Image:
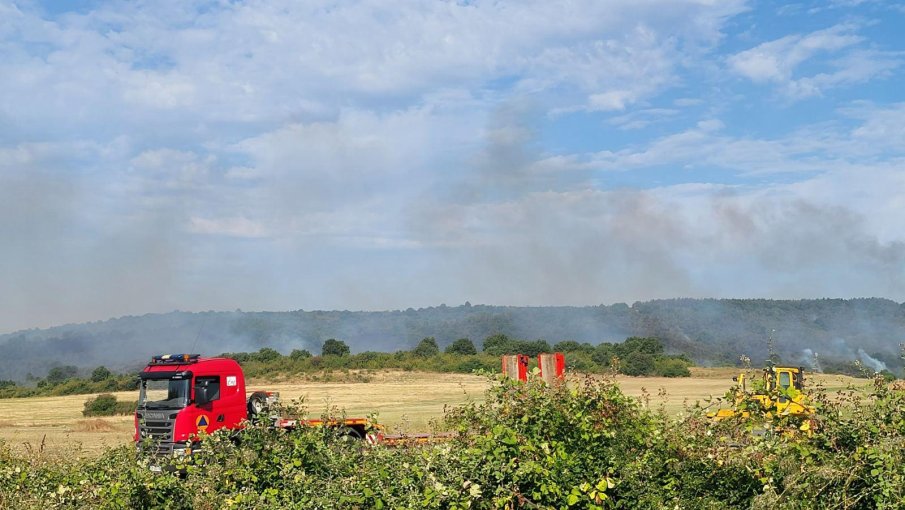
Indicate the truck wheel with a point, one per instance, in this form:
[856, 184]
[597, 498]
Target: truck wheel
[257, 406]
[351, 434]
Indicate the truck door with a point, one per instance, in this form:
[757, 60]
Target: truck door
[207, 399]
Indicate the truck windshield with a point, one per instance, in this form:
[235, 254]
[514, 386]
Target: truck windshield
[164, 394]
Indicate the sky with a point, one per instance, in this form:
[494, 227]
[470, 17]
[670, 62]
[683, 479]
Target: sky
[385, 154]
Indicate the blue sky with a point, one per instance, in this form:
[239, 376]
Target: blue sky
[386, 154]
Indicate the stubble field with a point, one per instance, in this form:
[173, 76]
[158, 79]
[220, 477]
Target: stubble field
[404, 401]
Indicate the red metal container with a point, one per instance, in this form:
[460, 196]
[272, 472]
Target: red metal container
[515, 366]
[552, 366]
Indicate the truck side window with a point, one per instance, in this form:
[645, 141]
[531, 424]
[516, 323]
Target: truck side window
[211, 385]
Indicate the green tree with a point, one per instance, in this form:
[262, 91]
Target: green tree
[266, 354]
[567, 346]
[603, 354]
[57, 375]
[461, 346]
[101, 374]
[532, 347]
[299, 354]
[334, 347]
[497, 345]
[637, 363]
[651, 346]
[426, 348]
[573, 346]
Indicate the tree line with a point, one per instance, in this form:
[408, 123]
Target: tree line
[636, 356]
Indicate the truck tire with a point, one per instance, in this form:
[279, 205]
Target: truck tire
[351, 434]
[257, 406]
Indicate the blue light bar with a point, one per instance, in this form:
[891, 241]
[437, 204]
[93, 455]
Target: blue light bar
[167, 359]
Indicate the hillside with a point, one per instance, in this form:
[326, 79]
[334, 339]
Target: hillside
[710, 331]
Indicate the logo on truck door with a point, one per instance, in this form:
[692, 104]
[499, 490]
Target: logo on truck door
[230, 380]
[202, 422]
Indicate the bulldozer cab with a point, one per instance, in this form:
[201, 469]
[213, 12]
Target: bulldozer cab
[783, 378]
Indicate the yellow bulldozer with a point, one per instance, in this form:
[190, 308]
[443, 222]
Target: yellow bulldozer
[778, 397]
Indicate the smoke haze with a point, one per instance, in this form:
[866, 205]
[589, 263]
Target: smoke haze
[709, 331]
[386, 155]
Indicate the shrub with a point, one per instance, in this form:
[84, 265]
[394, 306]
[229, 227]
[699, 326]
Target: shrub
[107, 405]
[334, 347]
[299, 354]
[100, 373]
[650, 346]
[497, 345]
[266, 354]
[603, 354]
[57, 375]
[671, 367]
[461, 346]
[525, 445]
[637, 363]
[426, 348]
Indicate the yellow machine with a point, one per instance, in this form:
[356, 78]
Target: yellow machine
[778, 394]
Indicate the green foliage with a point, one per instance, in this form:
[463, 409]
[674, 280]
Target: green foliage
[426, 348]
[266, 354]
[671, 367]
[298, 354]
[71, 386]
[334, 347]
[462, 346]
[58, 375]
[107, 405]
[650, 346]
[573, 346]
[604, 353]
[582, 445]
[497, 345]
[101, 373]
[460, 356]
[637, 363]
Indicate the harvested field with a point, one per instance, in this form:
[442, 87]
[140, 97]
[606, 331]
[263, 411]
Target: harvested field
[404, 401]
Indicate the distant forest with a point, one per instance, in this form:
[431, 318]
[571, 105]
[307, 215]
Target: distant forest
[818, 333]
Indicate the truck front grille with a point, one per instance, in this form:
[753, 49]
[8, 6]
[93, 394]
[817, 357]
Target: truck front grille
[156, 428]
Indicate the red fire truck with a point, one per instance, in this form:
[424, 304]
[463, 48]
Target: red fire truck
[184, 395]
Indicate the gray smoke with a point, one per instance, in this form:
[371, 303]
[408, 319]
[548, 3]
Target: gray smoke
[811, 359]
[875, 364]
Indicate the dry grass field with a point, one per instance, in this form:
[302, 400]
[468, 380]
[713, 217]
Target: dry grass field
[404, 401]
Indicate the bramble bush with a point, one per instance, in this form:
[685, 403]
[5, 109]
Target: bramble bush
[581, 445]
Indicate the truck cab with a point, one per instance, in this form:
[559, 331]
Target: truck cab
[184, 395]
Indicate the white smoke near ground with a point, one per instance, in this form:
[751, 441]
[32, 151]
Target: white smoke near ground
[874, 364]
[811, 359]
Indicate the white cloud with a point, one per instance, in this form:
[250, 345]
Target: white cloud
[612, 100]
[779, 61]
[815, 148]
[166, 63]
